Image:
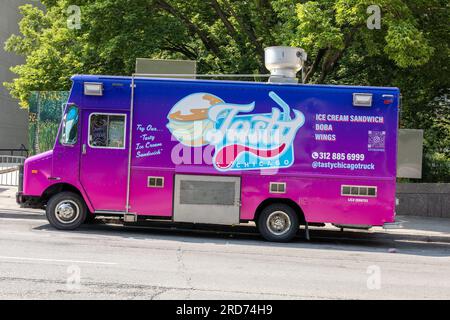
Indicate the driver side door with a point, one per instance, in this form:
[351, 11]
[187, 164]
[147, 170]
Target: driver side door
[104, 159]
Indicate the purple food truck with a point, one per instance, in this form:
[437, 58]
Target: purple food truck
[220, 152]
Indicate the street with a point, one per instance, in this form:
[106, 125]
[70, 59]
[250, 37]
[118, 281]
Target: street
[110, 261]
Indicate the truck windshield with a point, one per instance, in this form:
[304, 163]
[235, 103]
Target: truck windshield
[69, 130]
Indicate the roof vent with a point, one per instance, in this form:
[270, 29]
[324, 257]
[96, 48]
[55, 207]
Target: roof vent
[284, 63]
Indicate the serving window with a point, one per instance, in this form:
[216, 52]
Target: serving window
[107, 130]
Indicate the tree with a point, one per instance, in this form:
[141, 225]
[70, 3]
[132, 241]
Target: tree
[224, 36]
[410, 50]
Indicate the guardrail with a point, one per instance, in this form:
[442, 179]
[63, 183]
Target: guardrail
[9, 170]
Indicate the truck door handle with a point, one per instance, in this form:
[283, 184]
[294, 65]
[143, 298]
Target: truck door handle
[83, 149]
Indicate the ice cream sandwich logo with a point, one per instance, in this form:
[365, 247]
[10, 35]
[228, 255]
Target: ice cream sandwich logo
[242, 140]
[188, 119]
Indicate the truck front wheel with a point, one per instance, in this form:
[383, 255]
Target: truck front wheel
[278, 222]
[66, 211]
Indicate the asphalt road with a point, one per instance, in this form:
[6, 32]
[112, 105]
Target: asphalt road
[103, 261]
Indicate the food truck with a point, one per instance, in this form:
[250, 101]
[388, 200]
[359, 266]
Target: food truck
[219, 152]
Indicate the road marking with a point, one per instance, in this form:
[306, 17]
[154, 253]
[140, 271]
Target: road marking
[57, 260]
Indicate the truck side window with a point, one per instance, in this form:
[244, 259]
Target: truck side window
[69, 132]
[107, 131]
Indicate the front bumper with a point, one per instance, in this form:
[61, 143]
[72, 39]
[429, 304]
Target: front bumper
[25, 201]
[20, 198]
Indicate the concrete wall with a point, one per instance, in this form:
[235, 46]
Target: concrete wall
[424, 199]
[13, 121]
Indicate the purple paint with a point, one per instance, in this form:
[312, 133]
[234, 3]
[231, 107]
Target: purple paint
[310, 137]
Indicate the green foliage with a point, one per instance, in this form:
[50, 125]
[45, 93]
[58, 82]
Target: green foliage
[406, 46]
[47, 133]
[45, 112]
[32, 137]
[410, 51]
[317, 27]
[436, 139]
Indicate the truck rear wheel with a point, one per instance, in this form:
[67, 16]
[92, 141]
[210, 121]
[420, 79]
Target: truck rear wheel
[66, 211]
[278, 222]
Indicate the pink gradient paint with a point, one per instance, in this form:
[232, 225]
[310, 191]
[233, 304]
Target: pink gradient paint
[227, 155]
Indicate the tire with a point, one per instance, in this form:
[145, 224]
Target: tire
[90, 218]
[278, 222]
[66, 211]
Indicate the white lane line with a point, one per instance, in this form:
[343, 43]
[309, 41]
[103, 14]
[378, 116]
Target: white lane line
[57, 260]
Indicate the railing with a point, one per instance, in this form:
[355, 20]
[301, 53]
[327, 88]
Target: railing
[9, 170]
[23, 151]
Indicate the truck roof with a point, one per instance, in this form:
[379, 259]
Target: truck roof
[102, 78]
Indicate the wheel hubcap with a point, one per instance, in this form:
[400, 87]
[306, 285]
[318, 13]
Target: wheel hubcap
[278, 223]
[67, 211]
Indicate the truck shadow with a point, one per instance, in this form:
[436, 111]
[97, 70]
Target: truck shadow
[360, 241]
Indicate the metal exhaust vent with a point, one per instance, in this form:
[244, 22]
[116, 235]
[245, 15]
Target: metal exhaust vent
[284, 63]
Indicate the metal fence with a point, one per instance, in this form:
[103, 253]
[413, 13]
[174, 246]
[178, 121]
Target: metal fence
[22, 151]
[9, 170]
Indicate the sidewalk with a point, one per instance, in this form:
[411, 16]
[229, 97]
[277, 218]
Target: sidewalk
[422, 228]
[8, 200]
